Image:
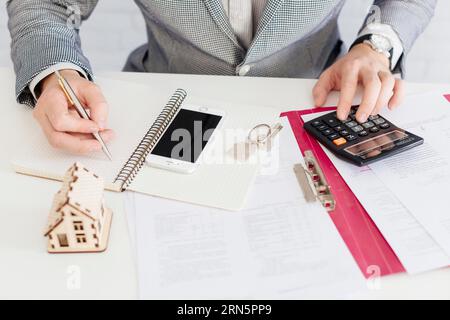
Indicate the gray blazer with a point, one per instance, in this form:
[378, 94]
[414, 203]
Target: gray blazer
[295, 38]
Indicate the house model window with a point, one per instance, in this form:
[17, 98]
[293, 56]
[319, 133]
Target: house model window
[78, 226]
[79, 220]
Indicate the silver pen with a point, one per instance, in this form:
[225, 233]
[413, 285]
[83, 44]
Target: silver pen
[73, 99]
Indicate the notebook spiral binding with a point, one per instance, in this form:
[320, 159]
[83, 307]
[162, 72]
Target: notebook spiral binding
[137, 159]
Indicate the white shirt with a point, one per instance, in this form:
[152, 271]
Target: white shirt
[244, 16]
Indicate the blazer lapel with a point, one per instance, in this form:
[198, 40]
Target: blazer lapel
[269, 13]
[218, 14]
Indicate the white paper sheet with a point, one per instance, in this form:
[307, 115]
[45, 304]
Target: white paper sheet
[411, 242]
[420, 178]
[414, 246]
[130, 212]
[279, 247]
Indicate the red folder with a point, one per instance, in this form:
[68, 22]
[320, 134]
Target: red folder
[371, 251]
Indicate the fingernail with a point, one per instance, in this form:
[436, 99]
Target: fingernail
[102, 124]
[342, 116]
[362, 117]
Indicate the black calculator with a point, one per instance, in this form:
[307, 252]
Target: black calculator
[361, 143]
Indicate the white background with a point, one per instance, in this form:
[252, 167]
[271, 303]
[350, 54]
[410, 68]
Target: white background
[116, 27]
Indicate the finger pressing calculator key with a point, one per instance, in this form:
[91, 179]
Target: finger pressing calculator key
[361, 143]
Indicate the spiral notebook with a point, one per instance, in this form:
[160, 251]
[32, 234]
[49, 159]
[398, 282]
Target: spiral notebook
[139, 116]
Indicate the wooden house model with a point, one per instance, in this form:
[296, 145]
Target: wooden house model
[79, 221]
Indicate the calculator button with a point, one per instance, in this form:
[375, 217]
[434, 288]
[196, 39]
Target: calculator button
[357, 129]
[385, 125]
[334, 136]
[316, 123]
[332, 122]
[379, 121]
[363, 133]
[340, 142]
[352, 124]
[339, 128]
[328, 132]
[374, 117]
[351, 137]
[323, 128]
[347, 120]
[368, 125]
[344, 132]
[374, 130]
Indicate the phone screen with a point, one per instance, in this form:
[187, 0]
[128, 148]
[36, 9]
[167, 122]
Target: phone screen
[187, 136]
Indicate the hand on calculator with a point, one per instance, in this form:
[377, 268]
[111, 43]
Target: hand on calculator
[367, 68]
[361, 143]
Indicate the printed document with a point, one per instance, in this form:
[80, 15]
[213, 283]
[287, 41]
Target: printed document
[279, 247]
[420, 178]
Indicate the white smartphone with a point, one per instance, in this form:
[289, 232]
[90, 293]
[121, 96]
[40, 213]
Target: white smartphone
[189, 135]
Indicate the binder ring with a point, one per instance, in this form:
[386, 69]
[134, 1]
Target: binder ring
[137, 159]
[254, 136]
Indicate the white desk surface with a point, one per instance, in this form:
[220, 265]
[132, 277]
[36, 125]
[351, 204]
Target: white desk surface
[27, 271]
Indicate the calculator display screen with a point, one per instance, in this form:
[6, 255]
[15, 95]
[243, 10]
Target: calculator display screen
[374, 147]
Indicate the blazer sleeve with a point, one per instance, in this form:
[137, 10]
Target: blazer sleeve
[408, 18]
[44, 33]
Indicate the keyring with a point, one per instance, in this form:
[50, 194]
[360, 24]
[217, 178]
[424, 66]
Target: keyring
[260, 138]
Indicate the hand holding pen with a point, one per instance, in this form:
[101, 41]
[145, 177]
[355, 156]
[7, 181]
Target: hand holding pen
[82, 112]
[61, 123]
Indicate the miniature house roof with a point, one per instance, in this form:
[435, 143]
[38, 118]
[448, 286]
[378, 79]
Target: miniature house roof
[83, 191]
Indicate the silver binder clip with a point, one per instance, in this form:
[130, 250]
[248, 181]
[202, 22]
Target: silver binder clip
[313, 182]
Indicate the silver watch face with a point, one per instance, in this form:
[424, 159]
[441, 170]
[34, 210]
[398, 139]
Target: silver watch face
[380, 43]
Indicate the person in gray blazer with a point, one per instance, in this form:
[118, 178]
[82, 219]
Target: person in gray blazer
[261, 38]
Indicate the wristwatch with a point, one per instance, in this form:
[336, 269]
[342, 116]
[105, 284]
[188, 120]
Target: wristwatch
[378, 43]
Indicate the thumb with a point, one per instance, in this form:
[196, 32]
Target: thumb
[323, 88]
